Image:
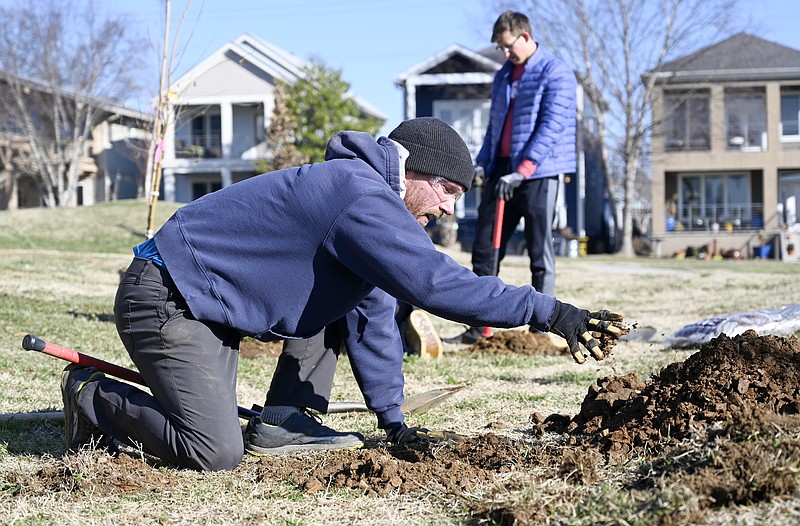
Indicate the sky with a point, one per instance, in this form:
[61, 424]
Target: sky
[370, 41]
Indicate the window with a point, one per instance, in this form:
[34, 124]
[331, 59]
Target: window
[746, 119]
[790, 114]
[200, 189]
[687, 122]
[719, 198]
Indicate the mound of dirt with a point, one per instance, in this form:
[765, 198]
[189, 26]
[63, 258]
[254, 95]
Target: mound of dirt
[695, 398]
[536, 343]
[517, 342]
[250, 348]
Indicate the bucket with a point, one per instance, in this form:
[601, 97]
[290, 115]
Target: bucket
[583, 246]
[572, 248]
[762, 251]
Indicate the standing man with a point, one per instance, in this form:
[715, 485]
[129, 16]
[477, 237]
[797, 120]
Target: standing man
[529, 144]
[314, 255]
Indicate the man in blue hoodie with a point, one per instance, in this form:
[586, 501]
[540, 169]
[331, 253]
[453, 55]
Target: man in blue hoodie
[314, 255]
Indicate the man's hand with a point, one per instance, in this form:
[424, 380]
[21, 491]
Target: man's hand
[507, 184]
[575, 326]
[478, 176]
[402, 434]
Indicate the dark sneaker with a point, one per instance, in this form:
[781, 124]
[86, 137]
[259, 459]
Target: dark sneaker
[421, 336]
[78, 431]
[470, 336]
[301, 431]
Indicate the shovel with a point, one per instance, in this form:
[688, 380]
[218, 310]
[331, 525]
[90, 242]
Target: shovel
[415, 404]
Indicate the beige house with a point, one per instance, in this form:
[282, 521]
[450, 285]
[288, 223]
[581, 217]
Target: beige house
[219, 112]
[113, 161]
[726, 151]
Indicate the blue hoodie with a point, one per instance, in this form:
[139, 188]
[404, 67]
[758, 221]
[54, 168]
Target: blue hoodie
[283, 254]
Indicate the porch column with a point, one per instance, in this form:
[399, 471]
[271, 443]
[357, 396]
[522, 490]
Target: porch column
[226, 128]
[168, 178]
[225, 174]
[411, 99]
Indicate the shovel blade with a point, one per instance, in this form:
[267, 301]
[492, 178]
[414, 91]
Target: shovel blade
[429, 399]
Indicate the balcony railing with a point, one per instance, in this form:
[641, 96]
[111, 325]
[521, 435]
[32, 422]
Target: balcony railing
[725, 217]
[200, 146]
[209, 146]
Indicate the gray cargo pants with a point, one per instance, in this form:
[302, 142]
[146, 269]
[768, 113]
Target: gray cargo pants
[191, 420]
[190, 367]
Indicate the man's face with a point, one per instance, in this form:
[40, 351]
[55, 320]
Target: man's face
[517, 48]
[428, 197]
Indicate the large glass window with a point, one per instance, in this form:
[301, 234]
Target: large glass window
[720, 198]
[790, 114]
[746, 119]
[687, 121]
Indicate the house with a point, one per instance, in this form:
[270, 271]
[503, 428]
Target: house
[113, 162]
[726, 150]
[220, 110]
[455, 86]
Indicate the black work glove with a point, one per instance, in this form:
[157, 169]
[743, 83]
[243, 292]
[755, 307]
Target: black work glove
[575, 326]
[402, 434]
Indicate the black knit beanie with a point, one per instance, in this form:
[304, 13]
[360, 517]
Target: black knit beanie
[435, 148]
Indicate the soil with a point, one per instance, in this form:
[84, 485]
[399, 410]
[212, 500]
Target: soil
[250, 348]
[537, 343]
[723, 424]
[517, 342]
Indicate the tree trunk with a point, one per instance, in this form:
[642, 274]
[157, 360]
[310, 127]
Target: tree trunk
[447, 230]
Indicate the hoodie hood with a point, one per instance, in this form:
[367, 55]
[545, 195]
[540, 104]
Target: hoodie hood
[381, 155]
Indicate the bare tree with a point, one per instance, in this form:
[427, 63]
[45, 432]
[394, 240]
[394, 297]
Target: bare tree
[62, 63]
[611, 44]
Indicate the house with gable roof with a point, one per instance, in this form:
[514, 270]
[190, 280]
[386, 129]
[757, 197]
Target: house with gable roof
[220, 109]
[455, 86]
[111, 164]
[726, 151]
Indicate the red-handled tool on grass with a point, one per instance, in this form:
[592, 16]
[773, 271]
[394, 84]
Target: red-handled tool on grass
[497, 234]
[418, 403]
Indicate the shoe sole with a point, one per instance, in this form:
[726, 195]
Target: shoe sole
[296, 448]
[422, 337]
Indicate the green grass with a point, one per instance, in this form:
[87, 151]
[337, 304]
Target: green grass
[102, 228]
[58, 276]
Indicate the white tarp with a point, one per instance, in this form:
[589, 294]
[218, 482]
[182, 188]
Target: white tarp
[780, 321]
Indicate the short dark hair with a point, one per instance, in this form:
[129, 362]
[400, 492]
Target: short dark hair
[513, 22]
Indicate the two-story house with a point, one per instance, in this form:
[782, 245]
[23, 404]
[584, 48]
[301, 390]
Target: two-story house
[112, 165]
[220, 110]
[726, 150]
[455, 86]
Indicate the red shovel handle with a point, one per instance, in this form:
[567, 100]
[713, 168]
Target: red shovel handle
[497, 234]
[498, 228]
[32, 343]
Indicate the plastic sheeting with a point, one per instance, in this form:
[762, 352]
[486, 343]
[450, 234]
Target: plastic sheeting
[780, 321]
